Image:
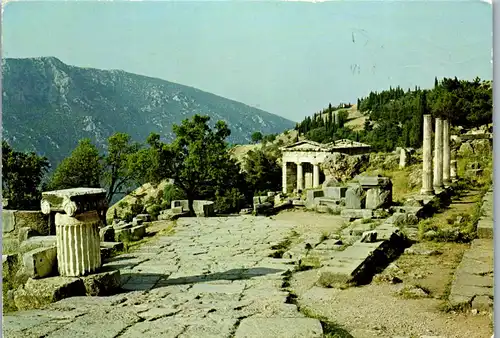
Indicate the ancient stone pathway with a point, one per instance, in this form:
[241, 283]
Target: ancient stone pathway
[473, 281]
[211, 278]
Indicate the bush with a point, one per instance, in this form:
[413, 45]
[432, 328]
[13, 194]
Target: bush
[154, 211]
[172, 193]
[232, 201]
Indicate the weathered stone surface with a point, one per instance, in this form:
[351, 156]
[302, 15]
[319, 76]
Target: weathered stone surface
[8, 221]
[137, 232]
[136, 221]
[355, 198]
[378, 198]
[25, 233]
[371, 181]
[313, 193]
[122, 235]
[107, 234]
[279, 328]
[9, 265]
[144, 217]
[41, 262]
[369, 237]
[39, 292]
[37, 242]
[78, 251]
[342, 168]
[102, 283]
[334, 192]
[356, 213]
[73, 201]
[299, 203]
[115, 246]
[474, 275]
[485, 228]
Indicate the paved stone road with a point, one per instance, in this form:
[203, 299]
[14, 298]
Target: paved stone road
[212, 278]
[473, 280]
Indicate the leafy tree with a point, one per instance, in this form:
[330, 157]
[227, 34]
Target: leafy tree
[197, 160]
[22, 175]
[82, 168]
[262, 171]
[120, 172]
[257, 137]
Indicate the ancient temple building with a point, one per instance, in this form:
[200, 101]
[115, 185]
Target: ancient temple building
[301, 161]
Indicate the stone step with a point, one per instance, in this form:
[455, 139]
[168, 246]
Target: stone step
[485, 228]
[254, 327]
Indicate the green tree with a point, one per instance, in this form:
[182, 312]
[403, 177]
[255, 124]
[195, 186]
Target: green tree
[197, 160]
[82, 168]
[22, 175]
[257, 137]
[120, 168]
[262, 171]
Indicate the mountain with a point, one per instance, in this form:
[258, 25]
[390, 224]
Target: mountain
[49, 106]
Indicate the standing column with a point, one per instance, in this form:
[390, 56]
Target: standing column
[77, 228]
[300, 177]
[438, 156]
[427, 157]
[453, 170]
[315, 175]
[283, 182]
[446, 153]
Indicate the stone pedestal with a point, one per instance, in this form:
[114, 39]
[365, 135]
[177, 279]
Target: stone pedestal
[438, 156]
[77, 224]
[446, 153]
[284, 182]
[427, 157]
[78, 243]
[300, 177]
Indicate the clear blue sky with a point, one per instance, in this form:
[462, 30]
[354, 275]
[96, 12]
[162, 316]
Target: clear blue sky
[288, 58]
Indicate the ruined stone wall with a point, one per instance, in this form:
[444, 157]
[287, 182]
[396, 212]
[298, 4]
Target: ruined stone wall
[13, 220]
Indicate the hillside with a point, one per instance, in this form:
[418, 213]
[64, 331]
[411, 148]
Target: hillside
[48, 106]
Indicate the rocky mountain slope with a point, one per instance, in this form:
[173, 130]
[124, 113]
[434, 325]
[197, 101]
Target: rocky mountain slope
[48, 106]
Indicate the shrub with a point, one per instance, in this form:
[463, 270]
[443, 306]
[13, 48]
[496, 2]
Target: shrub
[172, 193]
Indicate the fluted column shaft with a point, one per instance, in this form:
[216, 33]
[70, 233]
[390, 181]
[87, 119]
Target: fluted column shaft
[78, 243]
[438, 156]
[427, 157]
[300, 177]
[284, 182]
[315, 175]
[446, 152]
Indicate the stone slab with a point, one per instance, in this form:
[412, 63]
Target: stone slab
[103, 283]
[37, 242]
[138, 232]
[41, 262]
[485, 228]
[8, 221]
[39, 292]
[370, 181]
[356, 213]
[335, 193]
[279, 328]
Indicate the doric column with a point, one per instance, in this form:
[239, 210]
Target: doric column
[77, 228]
[300, 177]
[438, 156]
[427, 157]
[315, 175]
[446, 152]
[283, 182]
